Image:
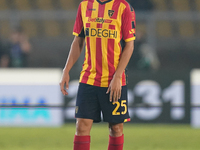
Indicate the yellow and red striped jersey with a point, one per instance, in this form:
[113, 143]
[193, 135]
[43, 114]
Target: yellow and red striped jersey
[105, 25]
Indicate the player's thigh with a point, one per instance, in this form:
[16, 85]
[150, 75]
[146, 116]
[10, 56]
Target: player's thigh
[87, 105]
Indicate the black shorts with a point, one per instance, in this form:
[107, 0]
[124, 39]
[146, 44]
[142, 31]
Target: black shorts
[92, 101]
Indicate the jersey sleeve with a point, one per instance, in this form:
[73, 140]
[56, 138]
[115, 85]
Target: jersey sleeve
[128, 24]
[78, 26]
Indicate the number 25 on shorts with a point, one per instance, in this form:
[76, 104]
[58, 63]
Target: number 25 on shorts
[123, 104]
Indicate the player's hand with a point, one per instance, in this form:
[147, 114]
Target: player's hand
[64, 83]
[114, 89]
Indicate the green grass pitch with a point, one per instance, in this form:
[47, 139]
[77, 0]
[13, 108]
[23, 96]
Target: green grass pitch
[137, 137]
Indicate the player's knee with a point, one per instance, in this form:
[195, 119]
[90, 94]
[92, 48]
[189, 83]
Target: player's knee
[83, 127]
[116, 129]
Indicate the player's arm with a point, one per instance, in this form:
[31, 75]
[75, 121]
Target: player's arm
[75, 51]
[128, 34]
[115, 84]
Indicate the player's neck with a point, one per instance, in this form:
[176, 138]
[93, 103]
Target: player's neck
[104, 1]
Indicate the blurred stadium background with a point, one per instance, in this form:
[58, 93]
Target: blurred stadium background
[49, 25]
[164, 79]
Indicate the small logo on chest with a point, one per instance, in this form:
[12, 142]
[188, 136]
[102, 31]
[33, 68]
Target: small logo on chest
[110, 13]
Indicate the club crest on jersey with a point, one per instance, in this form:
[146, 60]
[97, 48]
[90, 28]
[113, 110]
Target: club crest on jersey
[110, 13]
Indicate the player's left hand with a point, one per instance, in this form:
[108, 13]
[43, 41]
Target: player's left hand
[114, 89]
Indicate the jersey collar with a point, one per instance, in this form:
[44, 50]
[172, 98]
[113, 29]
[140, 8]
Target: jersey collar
[100, 2]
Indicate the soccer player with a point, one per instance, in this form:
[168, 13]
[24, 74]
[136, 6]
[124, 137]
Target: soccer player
[107, 28]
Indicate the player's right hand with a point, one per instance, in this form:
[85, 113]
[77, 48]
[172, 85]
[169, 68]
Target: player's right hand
[64, 83]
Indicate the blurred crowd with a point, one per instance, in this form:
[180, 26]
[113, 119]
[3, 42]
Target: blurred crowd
[14, 52]
[144, 56]
[141, 5]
